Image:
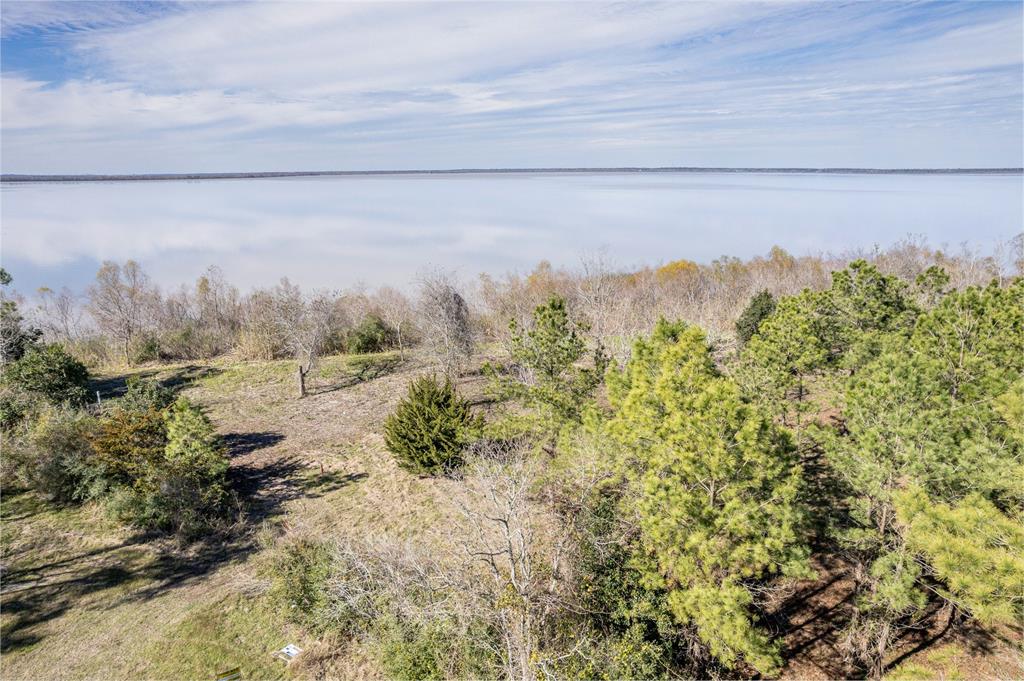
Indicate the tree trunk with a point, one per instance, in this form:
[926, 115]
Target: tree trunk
[878, 662]
[301, 376]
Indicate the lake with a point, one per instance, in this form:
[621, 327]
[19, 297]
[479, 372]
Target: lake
[336, 231]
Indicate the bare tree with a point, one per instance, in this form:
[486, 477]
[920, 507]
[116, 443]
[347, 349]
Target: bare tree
[118, 302]
[218, 306]
[59, 314]
[525, 567]
[444, 319]
[305, 324]
[396, 311]
[598, 290]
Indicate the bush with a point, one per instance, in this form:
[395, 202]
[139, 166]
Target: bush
[128, 441]
[143, 394]
[56, 456]
[182, 488]
[372, 335]
[145, 350]
[433, 650]
[15, 406]
[399, 601]
[49, 371]
[759, 308]
[301, 569]
[430, 428]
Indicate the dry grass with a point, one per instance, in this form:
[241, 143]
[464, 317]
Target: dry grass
[84, 598]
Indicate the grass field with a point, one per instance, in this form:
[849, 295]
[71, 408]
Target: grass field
[85, 598]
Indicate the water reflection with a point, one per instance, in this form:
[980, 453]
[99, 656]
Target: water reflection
[333, 232]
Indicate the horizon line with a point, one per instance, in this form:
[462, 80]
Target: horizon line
[137, 177]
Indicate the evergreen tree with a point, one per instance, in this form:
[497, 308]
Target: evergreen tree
[975, 549]
[778, 360]
[431, 427]
[862, 303]
[547, 358]
[15, 337]
[714, 491]
[843, 327]
[50, 372]
[757, 310]
[189, 483]
[930, 286]
[936, 413]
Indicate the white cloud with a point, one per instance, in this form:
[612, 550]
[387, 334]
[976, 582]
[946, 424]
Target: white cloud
[326, 85]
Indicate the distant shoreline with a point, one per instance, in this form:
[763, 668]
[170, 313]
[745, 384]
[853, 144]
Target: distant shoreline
[156, 177]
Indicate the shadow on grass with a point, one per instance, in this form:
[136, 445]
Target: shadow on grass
[361, 370]
[178, 379]
[146, 565]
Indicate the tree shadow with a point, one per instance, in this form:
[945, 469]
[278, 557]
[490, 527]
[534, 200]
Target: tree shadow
[362, 370]
[268, 486]
[177, 379]
[240, 444]
[148, 565]
[810, 620]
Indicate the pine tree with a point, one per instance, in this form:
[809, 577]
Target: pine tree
[936, 413]
[972, 547]
[757, 310]
[431, 427]
[714, 491]
[190, 480]
[547, 357]
[777, 361]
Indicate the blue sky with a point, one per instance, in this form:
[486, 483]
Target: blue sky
[149, 87]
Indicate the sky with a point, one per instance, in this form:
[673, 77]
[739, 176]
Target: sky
[134, 87]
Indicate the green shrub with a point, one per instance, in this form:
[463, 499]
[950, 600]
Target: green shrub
[15, 406]
[300, 569]
[759, 307]
[183, 487]
[49, 371]
[55, 457]
[165, 462]
[145, 350]
[142, 394]
[127, 441]
[189, 484]
[410, 652]
[430, 428]
[372, 335]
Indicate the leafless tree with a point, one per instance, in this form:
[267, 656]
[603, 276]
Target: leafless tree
[507, 537]
[598, 291]
[396, 311]
[118, 302]
[444, 320]
[59, 314]
[218, 306]
[305, 324]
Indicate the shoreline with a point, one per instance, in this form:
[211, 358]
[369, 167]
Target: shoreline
[170, 177]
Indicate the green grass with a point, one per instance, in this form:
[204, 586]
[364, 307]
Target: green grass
[243, 375]
[235, 631]
[939, 664]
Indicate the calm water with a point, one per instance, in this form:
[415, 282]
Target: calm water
[334, 232]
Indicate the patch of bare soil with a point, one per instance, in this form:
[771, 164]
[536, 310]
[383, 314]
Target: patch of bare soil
[812, 618]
